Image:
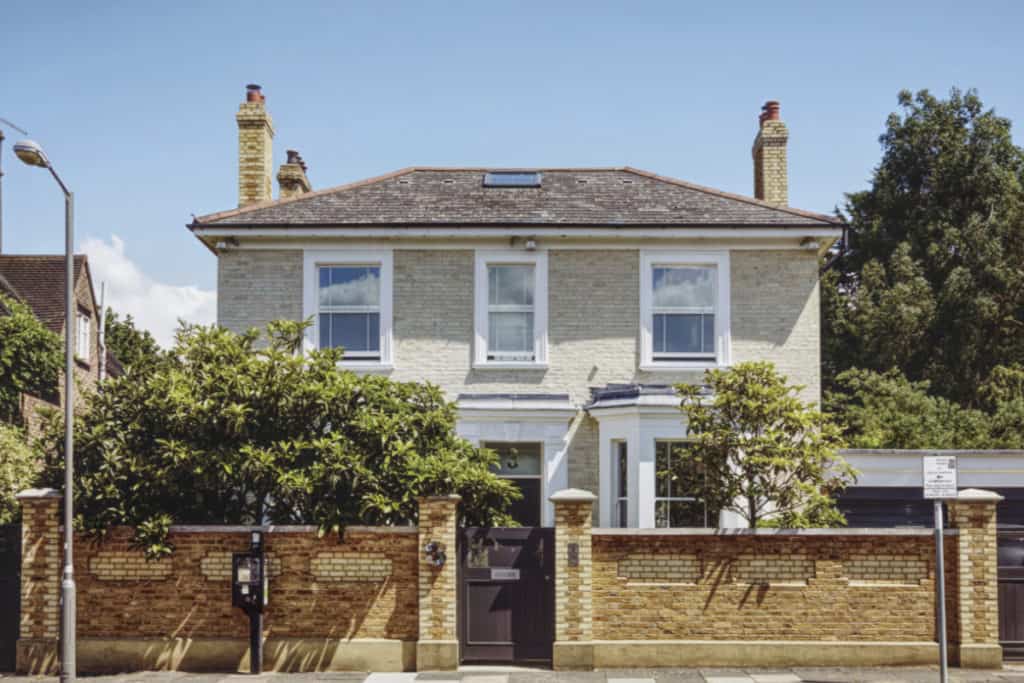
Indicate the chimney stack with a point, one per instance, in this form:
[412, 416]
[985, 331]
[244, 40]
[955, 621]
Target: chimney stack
[771, 182]
[292, 176]
[255, 148]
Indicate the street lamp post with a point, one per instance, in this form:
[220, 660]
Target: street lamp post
[32, 154]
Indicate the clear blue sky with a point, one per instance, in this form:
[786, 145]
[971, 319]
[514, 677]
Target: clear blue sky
[135, 102]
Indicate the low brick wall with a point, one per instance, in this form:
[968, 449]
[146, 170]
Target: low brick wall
[685, 587]
[739, 597]
[351, 604]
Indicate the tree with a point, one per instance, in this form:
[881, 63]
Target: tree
[225, 429]
[932, 282]
[31, 358]
[758, 451]
[886, 410]
[130, 345]
[19, 470]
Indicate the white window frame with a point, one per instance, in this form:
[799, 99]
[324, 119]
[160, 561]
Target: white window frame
[672, 499]
[719, 260]
[539, 261]
[620, 447]
[83, 336]
[313, 259]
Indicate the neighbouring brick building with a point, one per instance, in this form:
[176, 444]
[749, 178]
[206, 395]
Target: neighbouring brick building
[38, 281]
[556, 306]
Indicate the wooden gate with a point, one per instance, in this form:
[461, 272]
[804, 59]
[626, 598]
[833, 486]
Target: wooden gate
[1011, 593]
[506, 594]
[10, 592]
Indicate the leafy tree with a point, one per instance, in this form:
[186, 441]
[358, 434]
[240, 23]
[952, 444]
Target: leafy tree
[758, 451]
[19, 470]
[932, 282]
[886, 410]
[130, 345]
[31, 358]
[227, 429]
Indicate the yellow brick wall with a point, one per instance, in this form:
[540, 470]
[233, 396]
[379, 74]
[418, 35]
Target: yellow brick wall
[771, 175]
[216, 566]
[128, 566]
[438, 517]
[888, 568]
[978, 590]
[41, 560]
[573, 601]
[759, 588]
[660, 568]
[345, 566]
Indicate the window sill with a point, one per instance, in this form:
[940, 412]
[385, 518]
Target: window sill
[509, 365]
[366, 367]
[675, 367]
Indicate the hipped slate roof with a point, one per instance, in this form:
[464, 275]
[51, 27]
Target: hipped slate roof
[38, 281]
[617, 197]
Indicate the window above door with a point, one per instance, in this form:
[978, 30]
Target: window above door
[511, 311]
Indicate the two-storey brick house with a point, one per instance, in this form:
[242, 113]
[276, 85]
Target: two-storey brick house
[37, 280]
[556, 306]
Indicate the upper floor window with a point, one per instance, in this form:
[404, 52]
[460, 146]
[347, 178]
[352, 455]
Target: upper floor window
[348, 296]
[511, 309]
[83, 336]
[349, 310]
[684, 301]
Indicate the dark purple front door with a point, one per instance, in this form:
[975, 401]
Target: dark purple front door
[506, 594]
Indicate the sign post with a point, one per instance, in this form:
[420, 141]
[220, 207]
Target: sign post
[939, 485]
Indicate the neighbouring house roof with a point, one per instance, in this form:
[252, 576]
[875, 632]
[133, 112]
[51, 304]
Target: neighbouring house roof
[584, 197]
[38, 281]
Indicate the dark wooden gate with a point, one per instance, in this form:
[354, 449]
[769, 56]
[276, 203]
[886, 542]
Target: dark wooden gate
[506, 594]
[1011, 593]
[10, 592]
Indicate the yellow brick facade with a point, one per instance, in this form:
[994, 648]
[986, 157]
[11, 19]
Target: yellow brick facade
[345, 566]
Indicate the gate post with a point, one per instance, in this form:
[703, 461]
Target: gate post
[573, 648]
[973, 513]
[40, 581]
[438, 645]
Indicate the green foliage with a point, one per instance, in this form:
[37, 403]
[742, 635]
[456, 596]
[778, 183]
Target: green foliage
[238, 429]
[886, 410]
[19, 470]
[760, 451]
[31, 358]
[932, 283]
[130, 345]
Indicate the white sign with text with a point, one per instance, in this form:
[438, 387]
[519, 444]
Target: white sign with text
[939, 476]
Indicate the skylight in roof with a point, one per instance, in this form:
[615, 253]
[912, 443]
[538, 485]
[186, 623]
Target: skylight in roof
[512, 179]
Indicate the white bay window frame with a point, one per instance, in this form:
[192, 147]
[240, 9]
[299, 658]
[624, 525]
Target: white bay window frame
[482, 308]
[313, 260]
[719, 262]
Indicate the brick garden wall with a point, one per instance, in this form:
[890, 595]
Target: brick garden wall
[838, 588]
[362, 588]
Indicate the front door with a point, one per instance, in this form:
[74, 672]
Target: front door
[506, 594]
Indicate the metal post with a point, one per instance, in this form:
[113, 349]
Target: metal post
[940, 594]
[255, 640]
[1, 192]
[67, 635]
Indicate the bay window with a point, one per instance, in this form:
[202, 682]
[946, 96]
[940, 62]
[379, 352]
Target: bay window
[678, 480]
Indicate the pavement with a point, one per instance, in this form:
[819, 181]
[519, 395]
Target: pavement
[503, 675]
